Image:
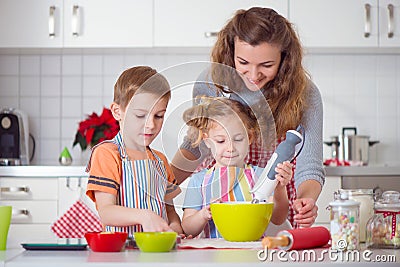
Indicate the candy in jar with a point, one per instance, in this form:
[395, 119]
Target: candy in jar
[366, 199]
[344, 217]
[383, 229]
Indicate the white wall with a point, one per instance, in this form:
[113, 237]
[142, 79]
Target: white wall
[58, 88]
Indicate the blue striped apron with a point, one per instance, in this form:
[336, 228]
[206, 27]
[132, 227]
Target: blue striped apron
[143, 186]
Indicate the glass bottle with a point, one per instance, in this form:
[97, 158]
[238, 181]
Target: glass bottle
[383, 229]
[366, 199]
[345, 219]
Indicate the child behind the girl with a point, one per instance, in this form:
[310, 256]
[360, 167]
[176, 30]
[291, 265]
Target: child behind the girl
[227, 129]
[132, 184]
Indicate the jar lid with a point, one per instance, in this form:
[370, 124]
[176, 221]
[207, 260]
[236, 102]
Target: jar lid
[357, 192]
[390, 201]
[344, 203]
[342, 199]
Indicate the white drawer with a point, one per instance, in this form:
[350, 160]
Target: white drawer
[29, 233]
[25, 212]
[29, 188]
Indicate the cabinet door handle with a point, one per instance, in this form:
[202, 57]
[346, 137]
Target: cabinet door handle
[210, 34]
[52, 22]
[367, 27]
[24, 189]
[24, 212]
[390, 8]
[75, 21]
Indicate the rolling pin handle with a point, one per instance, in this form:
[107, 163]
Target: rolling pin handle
[274, 242]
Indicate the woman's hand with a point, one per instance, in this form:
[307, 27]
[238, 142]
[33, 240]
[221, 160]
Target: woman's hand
[284, 173]
[306, 211]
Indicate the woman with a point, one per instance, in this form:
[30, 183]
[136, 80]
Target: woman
[263, 48]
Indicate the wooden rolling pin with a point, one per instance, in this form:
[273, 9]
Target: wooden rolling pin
[301, 238]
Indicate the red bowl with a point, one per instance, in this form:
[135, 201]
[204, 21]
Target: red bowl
[106, 241]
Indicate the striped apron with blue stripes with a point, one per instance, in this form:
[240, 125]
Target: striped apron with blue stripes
[143, 186]
[226, 184]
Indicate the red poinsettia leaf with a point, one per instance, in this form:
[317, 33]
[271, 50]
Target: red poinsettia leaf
[79, 139]
[89, 135]
[97, 138]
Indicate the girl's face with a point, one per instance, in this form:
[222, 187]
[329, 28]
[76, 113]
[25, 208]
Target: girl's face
[228, 141]
[259, 64]
[142, 120]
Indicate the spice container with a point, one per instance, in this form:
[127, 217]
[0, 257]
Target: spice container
[383, 229]
[366, 199]
[344, 217]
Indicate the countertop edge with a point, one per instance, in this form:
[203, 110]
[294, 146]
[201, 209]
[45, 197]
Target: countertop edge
[362, 171]
[79, 171]
[43, 171]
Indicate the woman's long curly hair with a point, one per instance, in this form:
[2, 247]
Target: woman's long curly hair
[286, 93]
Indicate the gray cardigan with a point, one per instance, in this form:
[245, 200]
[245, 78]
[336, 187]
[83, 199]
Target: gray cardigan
[309, 162]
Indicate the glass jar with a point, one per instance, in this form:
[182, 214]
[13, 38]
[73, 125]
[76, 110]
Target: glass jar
[345, 219]
[383, 229]
[366, 199]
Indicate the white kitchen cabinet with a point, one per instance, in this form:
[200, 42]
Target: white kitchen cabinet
[344, 23]
[40, 198]
[26, 23]
[183, 23]
[332, 184]
[108, 23]
[80, 23]
[70, 189]
[34, 204]
[389, 23]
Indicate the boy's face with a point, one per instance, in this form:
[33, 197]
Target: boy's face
[228, 141]
[142, 120]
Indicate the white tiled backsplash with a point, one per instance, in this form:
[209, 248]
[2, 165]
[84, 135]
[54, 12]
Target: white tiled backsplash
[57, 89]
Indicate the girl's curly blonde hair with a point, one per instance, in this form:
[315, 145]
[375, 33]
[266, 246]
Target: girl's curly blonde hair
[201, 117]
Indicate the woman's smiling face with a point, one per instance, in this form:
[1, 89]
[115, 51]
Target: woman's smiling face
[259, 64]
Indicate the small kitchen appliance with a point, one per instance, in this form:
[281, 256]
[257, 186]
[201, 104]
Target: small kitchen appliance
[14, 137]
[286, 151]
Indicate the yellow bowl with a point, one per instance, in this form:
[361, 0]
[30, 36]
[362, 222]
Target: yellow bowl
[155, 241]
[241, 221]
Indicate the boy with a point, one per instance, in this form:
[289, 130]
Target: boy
[132, 184]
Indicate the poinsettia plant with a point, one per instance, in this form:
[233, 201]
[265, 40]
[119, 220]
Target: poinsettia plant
[95, 129]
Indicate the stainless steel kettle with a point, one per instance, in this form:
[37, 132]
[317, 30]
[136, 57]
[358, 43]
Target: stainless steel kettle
[352, 148]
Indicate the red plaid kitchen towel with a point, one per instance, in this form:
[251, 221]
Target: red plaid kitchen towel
[77, 221]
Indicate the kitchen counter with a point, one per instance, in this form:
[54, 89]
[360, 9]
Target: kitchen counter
[378, 170]
[79, 171]
[43, 171]
[190, 257]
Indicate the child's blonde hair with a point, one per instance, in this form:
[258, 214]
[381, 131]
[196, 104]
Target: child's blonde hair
[201, 117]
[140, 79]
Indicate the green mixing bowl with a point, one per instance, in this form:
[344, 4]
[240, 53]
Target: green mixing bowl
[241, 221]
[155, 241]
